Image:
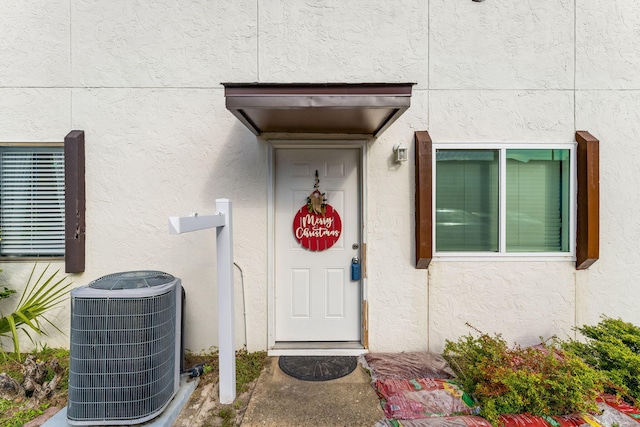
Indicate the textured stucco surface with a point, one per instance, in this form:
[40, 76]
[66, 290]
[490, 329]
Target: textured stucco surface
[501, 45]
[610, 285]
[500, 115]
[142, 79]
[181, 154]
[34, 114]
[163, 43]
[608, 35]
[513, 298]
[303, 40]
[34, 43]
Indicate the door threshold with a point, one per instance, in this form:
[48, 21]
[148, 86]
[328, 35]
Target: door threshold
[317, 348]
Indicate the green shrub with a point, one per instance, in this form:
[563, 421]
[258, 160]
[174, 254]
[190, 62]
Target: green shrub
[248, 368]
[612, 346]
[6, 292]
[21, 416]
[228, 416]
[38, 297]
[508, 380]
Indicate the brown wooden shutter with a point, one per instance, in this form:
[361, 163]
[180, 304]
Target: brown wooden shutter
[75, 226]
[588, 212]
[424, 181]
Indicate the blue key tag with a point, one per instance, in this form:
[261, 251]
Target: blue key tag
[355, 269]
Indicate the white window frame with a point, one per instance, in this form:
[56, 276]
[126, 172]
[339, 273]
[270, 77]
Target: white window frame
[502, 254]
[35, 256]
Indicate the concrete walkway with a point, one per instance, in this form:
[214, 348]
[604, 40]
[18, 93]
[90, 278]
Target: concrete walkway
[280, 400]
[277, 400]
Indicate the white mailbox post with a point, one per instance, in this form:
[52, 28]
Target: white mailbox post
[224, 246]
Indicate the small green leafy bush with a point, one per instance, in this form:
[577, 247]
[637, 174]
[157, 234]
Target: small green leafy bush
[5, 292]
[38, 297]
[248, 368]
[20, 417]
[228, 416]
[538, 380]
[612, 346]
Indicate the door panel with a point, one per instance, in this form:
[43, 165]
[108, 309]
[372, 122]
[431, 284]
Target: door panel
[300, 293]
[315, 298]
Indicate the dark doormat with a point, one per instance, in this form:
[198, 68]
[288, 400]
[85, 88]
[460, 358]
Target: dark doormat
[317, 368]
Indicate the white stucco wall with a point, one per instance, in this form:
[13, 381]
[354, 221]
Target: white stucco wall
[142, 79]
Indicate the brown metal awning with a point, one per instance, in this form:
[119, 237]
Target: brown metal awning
[365, 109]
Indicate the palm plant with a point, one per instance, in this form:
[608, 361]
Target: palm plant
[45, 293]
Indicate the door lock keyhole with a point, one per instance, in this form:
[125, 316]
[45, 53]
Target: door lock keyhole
[355, 246]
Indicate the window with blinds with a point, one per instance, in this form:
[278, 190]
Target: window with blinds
[467, 200]
[537, 201]
[32, 201]
[503, 200]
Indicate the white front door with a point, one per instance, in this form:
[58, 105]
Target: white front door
[315, 298]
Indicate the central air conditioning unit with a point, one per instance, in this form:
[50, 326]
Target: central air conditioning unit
[126, 352]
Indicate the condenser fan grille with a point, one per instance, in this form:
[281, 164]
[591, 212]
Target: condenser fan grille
[122, 357]
[132, 280]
